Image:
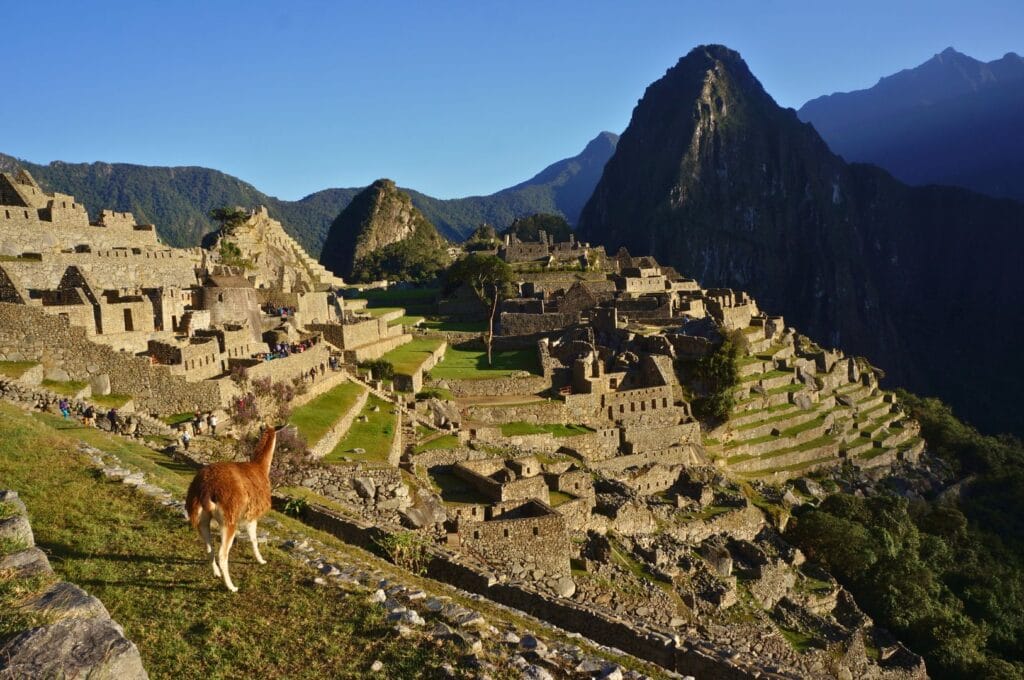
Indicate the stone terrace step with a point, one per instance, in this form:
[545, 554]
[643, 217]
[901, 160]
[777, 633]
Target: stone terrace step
[783, 421]
[762, 446]
[740, 418]
[816, 448]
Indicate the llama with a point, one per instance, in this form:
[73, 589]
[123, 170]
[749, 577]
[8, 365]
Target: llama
[236, 495]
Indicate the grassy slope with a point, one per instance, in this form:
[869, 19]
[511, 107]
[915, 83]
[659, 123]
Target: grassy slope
[408, 358]
[316, 417]
[143, 562]
[374, 434]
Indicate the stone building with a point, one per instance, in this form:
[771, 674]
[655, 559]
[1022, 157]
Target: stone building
[544, 249]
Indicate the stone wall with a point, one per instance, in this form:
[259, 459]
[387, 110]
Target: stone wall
[27, 333]
[514, 323]
[112, 268]
[532, 537]
[533, 384]
[77, 637]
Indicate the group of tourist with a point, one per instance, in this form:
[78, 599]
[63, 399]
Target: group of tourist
[282, 312]
[283, 350]
[200, 423]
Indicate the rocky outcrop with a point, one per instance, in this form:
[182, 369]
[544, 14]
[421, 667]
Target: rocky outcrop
[728, 187]
[377, 217]
[69, 633]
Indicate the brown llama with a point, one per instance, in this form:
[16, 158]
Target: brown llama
[236, 495]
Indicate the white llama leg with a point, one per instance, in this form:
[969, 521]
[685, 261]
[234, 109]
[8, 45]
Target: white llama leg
[204, 531]
[227, 538]
[255, 542]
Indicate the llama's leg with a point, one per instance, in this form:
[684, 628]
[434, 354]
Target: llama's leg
[227, 538]
[255, 542]
[204, 531]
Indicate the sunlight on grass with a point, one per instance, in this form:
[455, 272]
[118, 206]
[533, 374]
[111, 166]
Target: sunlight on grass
[471, 364]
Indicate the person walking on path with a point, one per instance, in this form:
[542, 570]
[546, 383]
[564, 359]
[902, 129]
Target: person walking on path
[112, 419]
[211, 420]
[89, 417]
[197, 423]
[185, 438]
[65, 408]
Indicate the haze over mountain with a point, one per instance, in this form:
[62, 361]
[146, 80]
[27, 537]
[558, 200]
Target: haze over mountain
[178, 200]
[952, 120]
[714, 178]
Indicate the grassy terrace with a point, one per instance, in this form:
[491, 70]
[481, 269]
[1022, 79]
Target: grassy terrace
[556, 429]
[406, 320]
[471, 364]
[15, 369]
[765, 376]
[112, 400]
[143, 562]
[818, 442]
[446, 324]
[556, 498]
[779, 417]
[447, 441]
[316, 417]
[408, 358]
[795, 467]
[412, 300]
[68, 388]
[374, 435]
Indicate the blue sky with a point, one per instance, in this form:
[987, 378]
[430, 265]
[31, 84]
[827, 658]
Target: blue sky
[450, 98]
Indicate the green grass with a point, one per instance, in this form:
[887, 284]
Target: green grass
[447, 324]
[177, 418]
[144, 563]
[448, 441]
[471, 364]
[112, 400]
[412, 300]
[374, 435]
[377, 312]
[556, 498]
[15, 369]
[797, 640]
[556, 429]
[408, 358]
[68, 388]
[406, 320]
[316, 417]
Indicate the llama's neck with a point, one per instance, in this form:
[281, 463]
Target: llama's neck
[265, 455]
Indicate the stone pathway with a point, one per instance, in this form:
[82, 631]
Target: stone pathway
[486, 647]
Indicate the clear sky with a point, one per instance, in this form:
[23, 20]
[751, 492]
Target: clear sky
[450, 98]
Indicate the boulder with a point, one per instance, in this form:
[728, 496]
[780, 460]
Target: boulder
[365, 487]
[803, 401]
[564, 587]
[100, 384]
[65, 601]
[72, 648]
[810, 487]
[26, 563]
[16, 531]
[58, 374]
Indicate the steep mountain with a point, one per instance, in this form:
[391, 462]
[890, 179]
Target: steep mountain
[952, 120]
[178, 200]
[714, 178]
[380, 216]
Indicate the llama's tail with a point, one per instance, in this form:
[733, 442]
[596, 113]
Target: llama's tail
[196, 500]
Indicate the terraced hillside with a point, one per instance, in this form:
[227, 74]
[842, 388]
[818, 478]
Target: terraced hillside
[799, 408]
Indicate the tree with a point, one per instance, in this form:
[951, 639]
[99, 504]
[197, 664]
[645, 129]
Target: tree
[529, 228]
[228, 218]
[490, 278]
